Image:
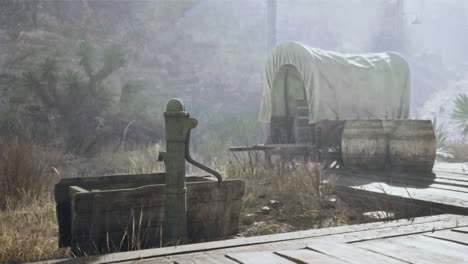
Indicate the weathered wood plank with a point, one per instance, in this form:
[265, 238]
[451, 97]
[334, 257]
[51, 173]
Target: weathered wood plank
[346, 237]
[355, 236]
[419, 249]
[457, 237]
[459, 168]
[258, 257]
[294, 240]
[437, 180]
[449, 177]
[425, 194]
[392, 231]
[373, 201]
[461, 229]
[106, 183]
[76, 189]
[444, 177]
[206, 259]
[351, 253]
[429, 194]
[260, 147]
[452, 177]
[309, 256]
[403, 180]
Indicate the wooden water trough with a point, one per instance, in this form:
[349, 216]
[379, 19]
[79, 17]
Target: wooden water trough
[128, 212]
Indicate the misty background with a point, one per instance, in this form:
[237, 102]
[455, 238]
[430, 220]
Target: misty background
[211, 54]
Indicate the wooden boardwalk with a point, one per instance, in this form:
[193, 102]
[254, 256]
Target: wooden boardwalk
[443, 191]
[433, 239]
[439, 238]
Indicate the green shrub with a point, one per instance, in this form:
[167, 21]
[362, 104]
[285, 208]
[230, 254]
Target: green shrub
[460, 113]
[441, 135]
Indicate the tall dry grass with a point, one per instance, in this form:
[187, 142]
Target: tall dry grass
[146, 160]
[26, 170]
[139, 161]
[296, 193]
[28, 227]
[29, 231]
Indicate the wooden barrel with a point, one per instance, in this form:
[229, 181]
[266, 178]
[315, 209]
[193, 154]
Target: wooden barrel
[411, 144]
[363, 144]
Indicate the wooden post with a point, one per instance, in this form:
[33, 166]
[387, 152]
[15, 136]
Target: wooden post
[178, 123]
[318, 141]
[271, 24]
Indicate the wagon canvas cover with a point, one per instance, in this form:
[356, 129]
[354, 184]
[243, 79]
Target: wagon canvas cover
[339, 86]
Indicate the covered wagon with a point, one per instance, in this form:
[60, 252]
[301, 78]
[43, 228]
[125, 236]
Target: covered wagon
[341, 106]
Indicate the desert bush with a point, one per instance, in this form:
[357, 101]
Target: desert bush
[440, 135]
[26, 169]
[460, 113]
[83, 101]
[80, 101]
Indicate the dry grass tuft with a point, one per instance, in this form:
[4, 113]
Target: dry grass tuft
[146, 160]
[140, 161]
[26, 170]
[28, 227]
[295, 193]
[28, 232]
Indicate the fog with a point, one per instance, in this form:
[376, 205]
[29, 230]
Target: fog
[310, 114]
[212, 54]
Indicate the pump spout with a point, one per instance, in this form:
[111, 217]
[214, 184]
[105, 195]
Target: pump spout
[198, 164]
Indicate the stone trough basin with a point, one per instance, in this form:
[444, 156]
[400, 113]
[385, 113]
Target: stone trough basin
[126, 212]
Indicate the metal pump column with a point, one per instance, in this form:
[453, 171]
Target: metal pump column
[178, 124]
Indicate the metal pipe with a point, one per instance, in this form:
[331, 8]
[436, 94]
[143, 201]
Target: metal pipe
[199, 165]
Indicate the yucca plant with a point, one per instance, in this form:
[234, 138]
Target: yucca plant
[460, 113]
[82, 101]
[440, 135]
